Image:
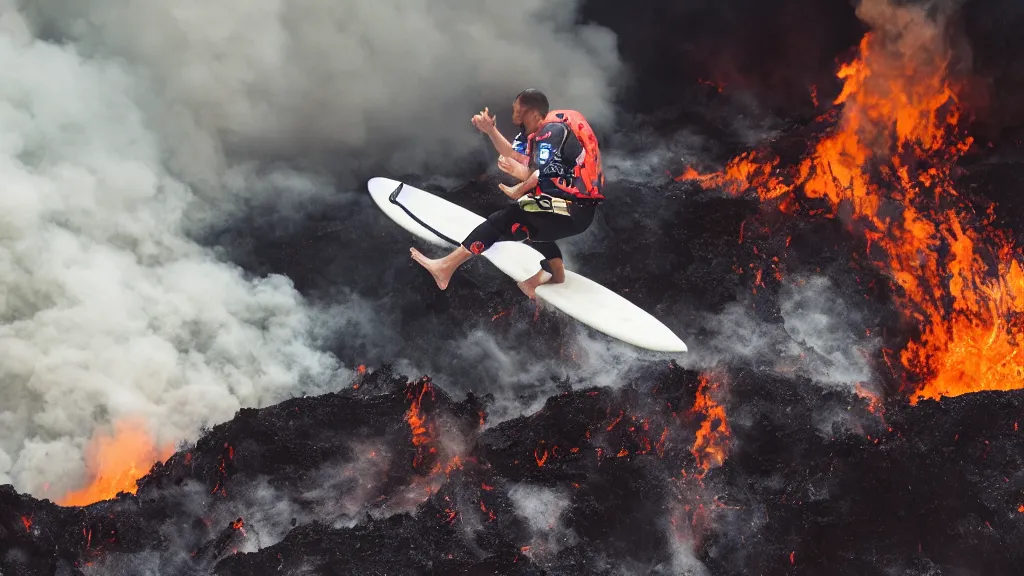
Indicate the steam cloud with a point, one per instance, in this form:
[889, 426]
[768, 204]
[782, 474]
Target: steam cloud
[542, 508]
[149, 121]
[289, 78]
[821, 336]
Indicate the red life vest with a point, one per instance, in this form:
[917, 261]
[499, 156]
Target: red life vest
[588, 174]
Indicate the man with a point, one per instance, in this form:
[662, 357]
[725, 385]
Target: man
[560, 186]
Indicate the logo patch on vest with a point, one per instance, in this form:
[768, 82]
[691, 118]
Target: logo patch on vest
[544, 152]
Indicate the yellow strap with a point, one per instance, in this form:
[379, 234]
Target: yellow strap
[544, 203]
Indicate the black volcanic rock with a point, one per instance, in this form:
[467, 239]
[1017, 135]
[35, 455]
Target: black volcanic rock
[185, 512]
[933, 488]
[813, 482]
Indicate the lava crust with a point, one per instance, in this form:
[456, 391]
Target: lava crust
[818, 481]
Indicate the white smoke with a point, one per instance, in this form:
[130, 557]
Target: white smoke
[108, 309]
[821, 337]
[829, 333]
[683, 559]
[542, 509]
[297, 77]
[150, 120]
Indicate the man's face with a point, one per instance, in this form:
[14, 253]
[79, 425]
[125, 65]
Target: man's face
[517, 112]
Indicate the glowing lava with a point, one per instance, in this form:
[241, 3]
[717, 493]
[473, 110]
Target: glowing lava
[712, 440]
[887, 162]
[422, 429]
[428, 458]
[115, 462]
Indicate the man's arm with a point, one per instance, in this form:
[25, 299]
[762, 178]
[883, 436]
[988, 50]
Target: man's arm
[503, 146]
[518, 170]
[529, 184]
[484, 122]
[516, 192]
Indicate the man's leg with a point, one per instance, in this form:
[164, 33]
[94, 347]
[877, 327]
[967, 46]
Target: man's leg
[481, 238]
[547, 228]
[552, 270]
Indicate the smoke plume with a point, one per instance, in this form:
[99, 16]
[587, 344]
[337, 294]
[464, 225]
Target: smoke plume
[127, 127]
[109, 311]
[288, 79]
[542, 508]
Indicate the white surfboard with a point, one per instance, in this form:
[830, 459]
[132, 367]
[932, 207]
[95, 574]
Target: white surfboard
[579, 297]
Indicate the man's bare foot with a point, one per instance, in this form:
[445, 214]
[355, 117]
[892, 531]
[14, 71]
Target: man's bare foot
[435, 268]
[529, 286]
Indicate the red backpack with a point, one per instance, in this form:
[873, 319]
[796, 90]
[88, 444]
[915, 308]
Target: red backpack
[588, 169]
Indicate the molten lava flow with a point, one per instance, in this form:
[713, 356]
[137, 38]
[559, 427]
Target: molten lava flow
[742, 173]
[115, 463]
[422, 430]
[712, 440]
[429, 457]
[888, 161]
[541, 455]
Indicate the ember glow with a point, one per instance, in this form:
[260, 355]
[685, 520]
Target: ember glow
[711, 444]
[429, 458]
[116, 462]
[422, 429]
[887, 162]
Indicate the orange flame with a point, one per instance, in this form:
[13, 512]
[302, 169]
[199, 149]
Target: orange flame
[422, 429]
[712, 440]
[116, 462]
[889, 160]
[741, 173]
[875, 405]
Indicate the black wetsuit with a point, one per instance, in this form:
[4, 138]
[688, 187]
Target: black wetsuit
[553, 153]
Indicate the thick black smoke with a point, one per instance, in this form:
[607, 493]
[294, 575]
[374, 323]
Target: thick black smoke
[775, 50]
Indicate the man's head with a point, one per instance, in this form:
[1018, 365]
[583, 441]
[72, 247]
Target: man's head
[529, 109]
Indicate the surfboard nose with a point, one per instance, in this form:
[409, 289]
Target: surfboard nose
[677, 346]
[662, 340]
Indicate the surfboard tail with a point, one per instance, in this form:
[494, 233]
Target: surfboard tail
[393, 197]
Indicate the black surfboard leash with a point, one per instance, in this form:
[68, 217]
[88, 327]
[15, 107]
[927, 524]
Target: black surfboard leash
[393, 198]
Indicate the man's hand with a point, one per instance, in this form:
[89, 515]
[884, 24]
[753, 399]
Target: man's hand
[484, 121]
[514, 192]
[513, 168]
